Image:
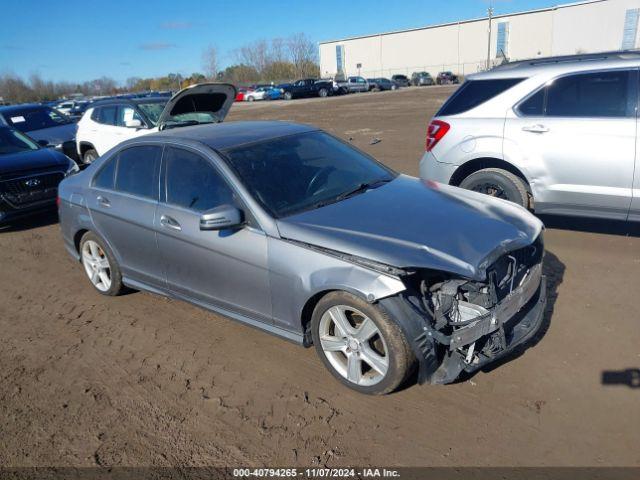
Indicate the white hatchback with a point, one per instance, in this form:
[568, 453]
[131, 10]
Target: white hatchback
[557, 135]
[110, 122]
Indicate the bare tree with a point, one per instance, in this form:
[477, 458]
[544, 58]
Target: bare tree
[211, 62]
[303, 54]
[254, 55]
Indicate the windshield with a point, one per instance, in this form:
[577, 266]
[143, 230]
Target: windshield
[29, 119]
[12, 141]
[152, 110]
[300, 172]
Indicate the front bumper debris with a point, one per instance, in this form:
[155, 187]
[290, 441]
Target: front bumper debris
[509, 331]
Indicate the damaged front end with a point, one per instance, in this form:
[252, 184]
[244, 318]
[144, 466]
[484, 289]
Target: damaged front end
[458, 324]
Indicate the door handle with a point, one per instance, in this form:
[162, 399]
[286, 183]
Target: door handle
[168, 222]
[103, 201]
[538, 128]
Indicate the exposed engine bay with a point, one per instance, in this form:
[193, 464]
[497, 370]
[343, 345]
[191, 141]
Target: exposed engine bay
[474, 322]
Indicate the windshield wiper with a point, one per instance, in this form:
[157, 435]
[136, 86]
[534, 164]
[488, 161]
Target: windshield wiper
[363, 187]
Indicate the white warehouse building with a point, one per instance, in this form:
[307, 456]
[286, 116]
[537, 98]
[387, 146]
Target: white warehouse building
[463, 47]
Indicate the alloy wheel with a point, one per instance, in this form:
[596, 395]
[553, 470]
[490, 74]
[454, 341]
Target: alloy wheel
[354, 345]
[96, 265]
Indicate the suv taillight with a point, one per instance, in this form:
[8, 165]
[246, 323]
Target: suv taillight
[435, 131]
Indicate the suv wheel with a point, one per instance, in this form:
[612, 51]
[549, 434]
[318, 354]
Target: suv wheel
[288, 96]
[89, 156]
[360, 344]
[498, 183]
[323, 92]
[100, 265]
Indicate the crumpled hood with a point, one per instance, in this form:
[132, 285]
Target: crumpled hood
[41, 159]
[408, 223]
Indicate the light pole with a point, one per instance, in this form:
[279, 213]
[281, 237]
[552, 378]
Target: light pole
[490, 12]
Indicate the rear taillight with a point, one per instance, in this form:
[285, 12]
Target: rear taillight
[58, 202]
[435, 131]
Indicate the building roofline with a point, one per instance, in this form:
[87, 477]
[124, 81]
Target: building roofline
[460, 22]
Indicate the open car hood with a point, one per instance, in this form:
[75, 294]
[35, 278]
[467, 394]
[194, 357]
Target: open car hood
[209, 99]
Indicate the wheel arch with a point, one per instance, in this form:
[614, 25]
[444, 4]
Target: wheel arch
[77, 237]
[84, 147]
[307, 313]
[472, 166]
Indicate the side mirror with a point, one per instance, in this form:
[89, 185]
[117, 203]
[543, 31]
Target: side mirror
[133, 123]
[221, 218]
[43, 143]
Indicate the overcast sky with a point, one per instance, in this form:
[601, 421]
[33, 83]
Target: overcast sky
[79, 40]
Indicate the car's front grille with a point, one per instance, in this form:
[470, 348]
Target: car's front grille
[32, 189]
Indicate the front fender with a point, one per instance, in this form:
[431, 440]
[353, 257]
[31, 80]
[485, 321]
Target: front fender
[298, 274]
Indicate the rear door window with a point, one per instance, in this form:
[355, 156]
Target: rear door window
[105, 177]
[108, 115]
[138, 169]
[475, 92]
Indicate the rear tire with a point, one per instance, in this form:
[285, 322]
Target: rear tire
[323, 92]
[100, 265]
[360, 344]
[499, 183]
[89, 156]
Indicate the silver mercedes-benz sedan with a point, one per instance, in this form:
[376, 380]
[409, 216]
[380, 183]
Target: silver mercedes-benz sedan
[289, 229]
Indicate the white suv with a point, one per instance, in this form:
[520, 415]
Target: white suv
[110, 122]
[556, 135]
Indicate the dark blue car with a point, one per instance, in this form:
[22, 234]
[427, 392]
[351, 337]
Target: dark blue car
[44, 124]
[29, 175]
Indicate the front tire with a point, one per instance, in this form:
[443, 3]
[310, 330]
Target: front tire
[100, 265]
[499, 183]
[288, 96]
[360, 344]
[89, 156]
[323, 92]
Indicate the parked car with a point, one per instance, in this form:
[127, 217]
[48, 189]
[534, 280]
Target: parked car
[373, 84]
[382, 84]
[400, 80]
[289, 229]
[106, 124]
[445, 78]
[65, 107]
[241, 93]
[29, 175]
[263, 93]
[558, 136]
[44, 124]
[307, 87]
[78, 110]
[420, 79]
[352, 85]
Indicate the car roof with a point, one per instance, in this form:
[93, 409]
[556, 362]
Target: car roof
[562, 64]
[228, 135]
[130, 101]
[22, 106]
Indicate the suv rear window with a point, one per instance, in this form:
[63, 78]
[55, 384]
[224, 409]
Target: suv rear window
[475, 92]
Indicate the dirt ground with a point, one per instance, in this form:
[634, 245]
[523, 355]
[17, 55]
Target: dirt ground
[87, 380]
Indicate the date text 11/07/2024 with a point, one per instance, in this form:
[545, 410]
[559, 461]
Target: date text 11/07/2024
[315, 473]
